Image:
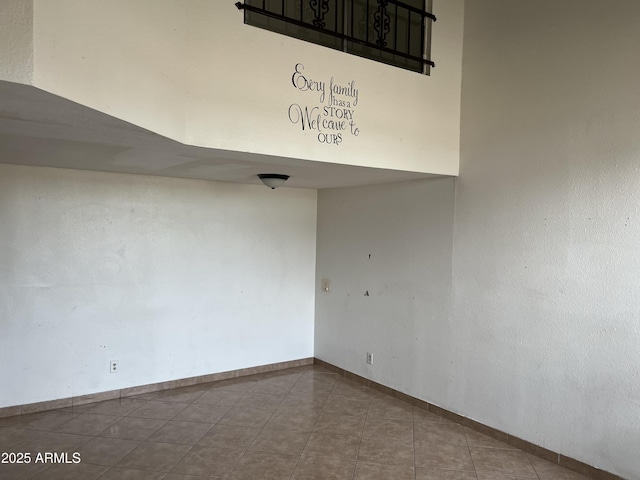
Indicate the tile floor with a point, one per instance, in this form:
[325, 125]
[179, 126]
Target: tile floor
[304, 423]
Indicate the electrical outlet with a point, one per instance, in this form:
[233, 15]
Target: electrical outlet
[370, 358]
[113, 366]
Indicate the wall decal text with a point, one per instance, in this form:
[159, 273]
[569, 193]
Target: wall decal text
[330, 111]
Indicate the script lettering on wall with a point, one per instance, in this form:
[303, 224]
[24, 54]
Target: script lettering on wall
[328, 108]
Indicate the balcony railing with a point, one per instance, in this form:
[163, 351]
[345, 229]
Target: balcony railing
[389, 31]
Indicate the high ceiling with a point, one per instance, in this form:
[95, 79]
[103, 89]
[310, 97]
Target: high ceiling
[41, 129]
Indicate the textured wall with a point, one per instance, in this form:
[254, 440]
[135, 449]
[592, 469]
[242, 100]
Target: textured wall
[172, 278]
[16, 41]
[547, 232]
[541, 336]
[191, 70]
[387, 251]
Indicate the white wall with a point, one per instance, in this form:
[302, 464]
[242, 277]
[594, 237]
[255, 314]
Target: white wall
[16, 40]
[407, 229]
[192, 71]
[172, 278]
[541, 340]
[547, 233]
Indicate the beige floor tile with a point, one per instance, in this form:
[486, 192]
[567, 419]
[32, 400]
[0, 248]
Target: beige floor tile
[202, 412]
[301, 422]
[185, 433]
[388, 407]
[340, 424]
[318, 378]
[341, 405]
[388, 427]
[259, 400]
[241, 385]
[332, 446]
[105, 451]
[420, 415]
[307, 423]
[159, 410]
[145, 396]
[549, 471]
[12, 438]
[84, 408]
[56, 442]
[317, 370]
[423, 473]
[246, 416]
[177, 476]
[477, 439]
[371, 471]
[131, 474]
[446, 456]
[183, 395]
[502, 462]
[493, 476]
[132, 428]
[16, 471]
[352, 390]
[386, 451]
[322, 468]
[281, 379]
[80, 471]
[219, 397]
[310, 384]
[440, 433]
[302, 404]
[12, 421]
[273, 386]
[119, 406]
[209, 461]
[88, 424]
[230, 436]
[280, 441]
[301, 396]
[46, 421]
[345, 385]
[157, 457]
[263, 465]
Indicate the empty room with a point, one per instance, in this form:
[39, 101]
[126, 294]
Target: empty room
[335, 240]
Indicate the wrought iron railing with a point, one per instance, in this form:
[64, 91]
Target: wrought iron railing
[390, 31]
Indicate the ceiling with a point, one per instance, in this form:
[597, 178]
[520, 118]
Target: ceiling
[41, 129]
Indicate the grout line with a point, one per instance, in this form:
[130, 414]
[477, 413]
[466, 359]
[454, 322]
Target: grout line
[265, 423]
[364, 425]
[533, 467]
[312, 431]
[413, 437]
[466, 439]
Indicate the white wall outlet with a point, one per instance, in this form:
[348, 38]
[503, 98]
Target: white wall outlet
[370, 358]
[113, 366]
[326, 285]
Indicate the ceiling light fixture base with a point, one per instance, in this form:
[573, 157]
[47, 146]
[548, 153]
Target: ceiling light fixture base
[273, 180]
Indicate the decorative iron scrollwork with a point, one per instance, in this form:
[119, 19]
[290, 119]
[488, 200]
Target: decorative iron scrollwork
[382, 23]
[389, 31]
[320, 9]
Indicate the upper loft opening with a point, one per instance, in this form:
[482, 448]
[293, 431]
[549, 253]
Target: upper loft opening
[394, 32]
